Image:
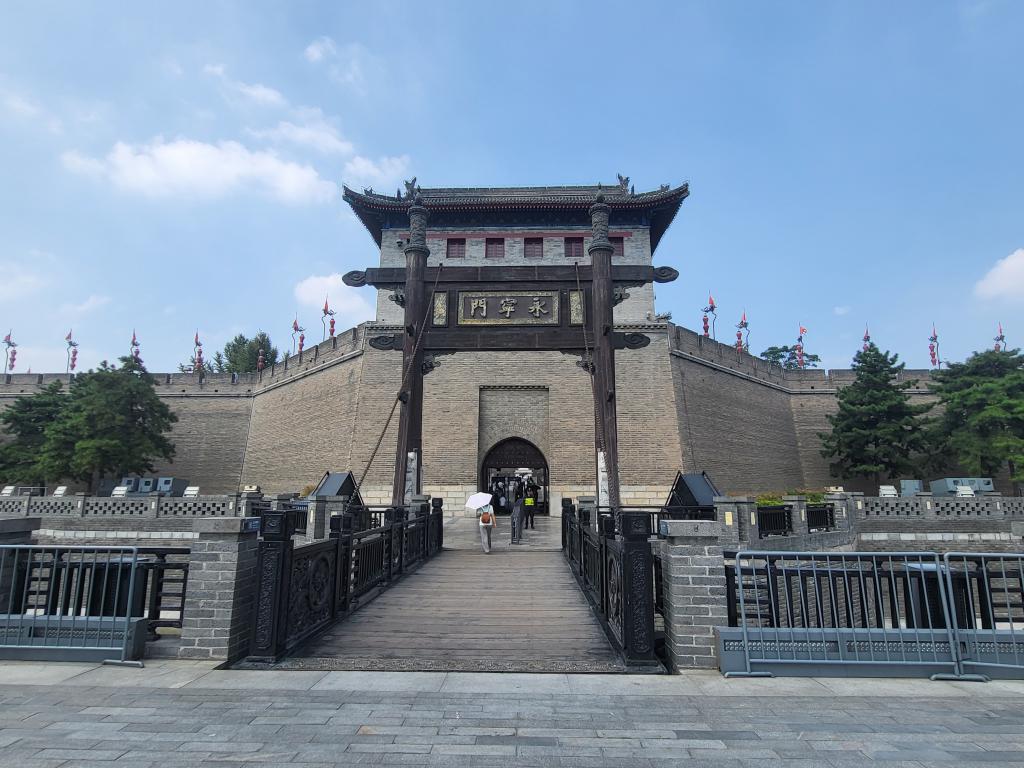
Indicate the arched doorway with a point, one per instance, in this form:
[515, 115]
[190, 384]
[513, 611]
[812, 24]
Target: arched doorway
[514, 458]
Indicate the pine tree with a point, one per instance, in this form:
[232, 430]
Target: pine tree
[877, 430]
[112, 422]
[25, 421]
[981, 426]
[786, 357]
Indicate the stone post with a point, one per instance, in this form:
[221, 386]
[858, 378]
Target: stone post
[844, 514]
[316, 519]
[695, 599]
[798, 510]
[729, 515]
[221, 590]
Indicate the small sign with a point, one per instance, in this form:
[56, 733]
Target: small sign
[728, 517]
[663, 527]
[250, 525]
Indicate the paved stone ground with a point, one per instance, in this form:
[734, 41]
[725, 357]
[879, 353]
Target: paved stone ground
[175, 714]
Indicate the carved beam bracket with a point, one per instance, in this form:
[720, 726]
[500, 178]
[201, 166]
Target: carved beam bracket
[390, 343]
[397, 296]
[630, 340]
[665, 274]
[356, 278]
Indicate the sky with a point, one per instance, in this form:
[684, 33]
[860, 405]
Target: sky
[173, 168]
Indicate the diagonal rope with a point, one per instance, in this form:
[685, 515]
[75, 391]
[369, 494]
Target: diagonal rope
[405, 377]
[591, 364]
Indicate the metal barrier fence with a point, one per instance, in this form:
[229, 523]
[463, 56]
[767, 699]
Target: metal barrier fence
[873, 614]
[303, 590]
[72, 603]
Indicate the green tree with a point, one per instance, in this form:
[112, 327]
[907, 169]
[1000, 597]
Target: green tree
[786, 357]
[877, 430]
[25, 422]
[241, 353]
[981, 426]
[111, 422]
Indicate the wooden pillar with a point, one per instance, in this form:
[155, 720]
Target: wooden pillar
[410, 423]
[604, 354]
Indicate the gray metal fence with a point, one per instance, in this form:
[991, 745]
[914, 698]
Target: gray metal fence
[874, 614]
[72, 603]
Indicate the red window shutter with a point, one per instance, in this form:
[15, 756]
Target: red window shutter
[494, 248]
[618, 248]
[533, 247]
[574, 247]
[456, 248]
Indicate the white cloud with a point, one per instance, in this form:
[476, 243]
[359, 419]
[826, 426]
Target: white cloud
[382, 173]
[320, 49]
[843, 310]
[346, 64]
[20, 106]
[349, 303]
[257, 93]
[1005, 280]
[314, 132]
[94, 301]
[196, 169]
[17, 281]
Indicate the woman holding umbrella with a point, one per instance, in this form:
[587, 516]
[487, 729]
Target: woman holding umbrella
[486, 519]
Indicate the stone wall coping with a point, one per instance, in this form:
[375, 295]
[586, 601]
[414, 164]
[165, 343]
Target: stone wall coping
[226, 526]
[733, 500]
[679, 531]
[18, 524]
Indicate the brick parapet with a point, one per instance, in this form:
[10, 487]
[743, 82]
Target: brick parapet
[221, 589]
[694, 591]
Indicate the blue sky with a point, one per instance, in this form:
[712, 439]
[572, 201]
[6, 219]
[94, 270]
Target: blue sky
[177, 166]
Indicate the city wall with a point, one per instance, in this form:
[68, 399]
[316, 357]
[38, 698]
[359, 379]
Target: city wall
[683, 402]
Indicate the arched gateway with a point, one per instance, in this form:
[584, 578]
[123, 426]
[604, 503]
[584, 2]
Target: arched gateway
[515, 456]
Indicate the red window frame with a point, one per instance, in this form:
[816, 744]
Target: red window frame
[456, 248]
[533, 247]
[574, 247]
[494, 248]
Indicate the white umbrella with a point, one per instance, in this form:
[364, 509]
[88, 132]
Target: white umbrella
[478, 500]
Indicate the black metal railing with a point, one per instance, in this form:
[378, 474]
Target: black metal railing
[776, 520]
[821, 517]
[166, 586]
[612, 561]
[303, 589]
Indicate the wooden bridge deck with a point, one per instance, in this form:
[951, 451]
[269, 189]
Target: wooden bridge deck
[517, 609]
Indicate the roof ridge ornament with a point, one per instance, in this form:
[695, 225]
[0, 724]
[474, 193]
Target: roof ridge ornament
[623, 183]
[411, 189]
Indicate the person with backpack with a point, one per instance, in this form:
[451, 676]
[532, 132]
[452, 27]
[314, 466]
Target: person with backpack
[487, 521]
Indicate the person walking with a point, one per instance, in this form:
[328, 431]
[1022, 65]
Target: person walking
[517, 522]
[486, 519]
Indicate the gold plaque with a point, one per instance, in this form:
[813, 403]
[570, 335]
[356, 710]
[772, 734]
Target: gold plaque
[508, 308]
[441, 308]
[575, 308]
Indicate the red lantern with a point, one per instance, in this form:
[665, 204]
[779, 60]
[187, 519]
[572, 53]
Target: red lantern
[11, 360]
[739, 341]
[74, 358]
[260, 362]
[302, 341]
[706, 327]
[332, 327]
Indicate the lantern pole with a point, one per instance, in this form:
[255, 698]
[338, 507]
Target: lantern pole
[710, 309]
[1000, 339]
[743, 345]
[328, 313]
[72, 352]
[933, 348]
[867, 338]
[10, 352]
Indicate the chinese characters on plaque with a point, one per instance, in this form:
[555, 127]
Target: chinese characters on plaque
[508, 307]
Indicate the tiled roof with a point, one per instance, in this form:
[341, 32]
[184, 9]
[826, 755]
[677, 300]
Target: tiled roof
[369, 205]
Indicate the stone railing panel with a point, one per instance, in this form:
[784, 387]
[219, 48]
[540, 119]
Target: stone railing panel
[131, 507]
[202, 506]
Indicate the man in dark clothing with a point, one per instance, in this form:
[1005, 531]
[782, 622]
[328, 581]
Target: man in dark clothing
[517, 521]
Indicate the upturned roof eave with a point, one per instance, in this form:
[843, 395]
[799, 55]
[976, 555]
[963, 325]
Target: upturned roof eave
[368, 206]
